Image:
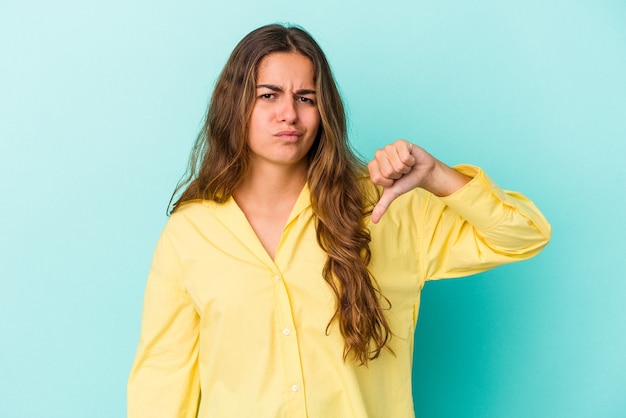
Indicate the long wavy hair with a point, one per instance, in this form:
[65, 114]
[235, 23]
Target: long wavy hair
[220, 158]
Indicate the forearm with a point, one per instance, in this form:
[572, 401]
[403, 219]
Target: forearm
[479, 227]
[508, 222]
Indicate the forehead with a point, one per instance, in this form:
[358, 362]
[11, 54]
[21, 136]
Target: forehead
[286, 67]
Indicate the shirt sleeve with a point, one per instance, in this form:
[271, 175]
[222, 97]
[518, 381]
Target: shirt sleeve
[164, 380]
[479, 227]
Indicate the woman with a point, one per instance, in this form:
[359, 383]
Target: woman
[287, 281]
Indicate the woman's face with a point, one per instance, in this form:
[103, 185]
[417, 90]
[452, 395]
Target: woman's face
[285, 117]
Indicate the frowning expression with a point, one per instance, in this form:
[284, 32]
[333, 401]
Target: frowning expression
[285, 118]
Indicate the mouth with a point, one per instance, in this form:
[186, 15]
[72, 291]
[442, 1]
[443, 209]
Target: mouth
[289, 136]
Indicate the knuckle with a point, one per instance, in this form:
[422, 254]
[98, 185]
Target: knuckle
[399, 166]
[388, 171]
[375, 177]
[382, 181]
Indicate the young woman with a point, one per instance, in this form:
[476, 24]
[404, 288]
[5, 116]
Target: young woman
[287, 280]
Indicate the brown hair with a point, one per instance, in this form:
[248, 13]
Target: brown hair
[220, 158]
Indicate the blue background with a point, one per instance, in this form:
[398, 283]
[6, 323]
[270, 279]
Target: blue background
[101, 101]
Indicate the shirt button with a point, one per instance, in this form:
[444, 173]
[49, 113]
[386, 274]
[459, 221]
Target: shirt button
[277, 277]
[294, 388]
[286, 331]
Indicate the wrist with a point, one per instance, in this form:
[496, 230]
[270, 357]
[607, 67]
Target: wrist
[444, 180]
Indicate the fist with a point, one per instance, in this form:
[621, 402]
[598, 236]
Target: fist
[398, 168]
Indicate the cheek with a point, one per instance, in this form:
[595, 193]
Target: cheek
[255, 117]
[314, 119]
[257, 122]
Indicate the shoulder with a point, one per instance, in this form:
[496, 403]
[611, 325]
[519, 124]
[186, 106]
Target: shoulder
[193, 208]
[190, 214]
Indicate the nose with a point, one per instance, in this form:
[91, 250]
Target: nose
[287, 111]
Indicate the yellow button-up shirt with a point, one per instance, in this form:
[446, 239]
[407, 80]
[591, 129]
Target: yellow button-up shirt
[229, 332]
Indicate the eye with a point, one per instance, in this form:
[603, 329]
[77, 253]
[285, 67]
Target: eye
[267, 96]
[303, 99]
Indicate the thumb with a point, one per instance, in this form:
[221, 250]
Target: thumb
[389, 195]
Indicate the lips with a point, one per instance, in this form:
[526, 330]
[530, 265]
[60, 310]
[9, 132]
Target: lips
[289, 135]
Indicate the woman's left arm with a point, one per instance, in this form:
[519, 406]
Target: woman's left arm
[472, 225]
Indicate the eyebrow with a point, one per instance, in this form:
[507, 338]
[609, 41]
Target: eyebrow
[280, 90]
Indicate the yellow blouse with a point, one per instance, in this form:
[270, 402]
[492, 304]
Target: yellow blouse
[229, 332]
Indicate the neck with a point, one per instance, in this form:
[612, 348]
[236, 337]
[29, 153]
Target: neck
[267, 186]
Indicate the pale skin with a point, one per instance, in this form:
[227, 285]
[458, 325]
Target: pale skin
[403, 166]
[283, 126]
